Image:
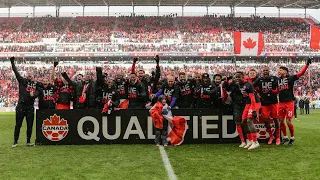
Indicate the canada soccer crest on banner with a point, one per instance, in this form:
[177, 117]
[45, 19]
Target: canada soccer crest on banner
[55, 129]
[261, 128]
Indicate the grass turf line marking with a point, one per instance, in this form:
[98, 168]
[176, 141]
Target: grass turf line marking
[167, 165]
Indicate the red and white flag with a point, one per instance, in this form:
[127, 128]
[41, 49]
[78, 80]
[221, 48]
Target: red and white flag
[248, 44]
[315, 37]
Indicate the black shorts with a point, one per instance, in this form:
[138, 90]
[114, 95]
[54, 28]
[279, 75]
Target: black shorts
[237, 112]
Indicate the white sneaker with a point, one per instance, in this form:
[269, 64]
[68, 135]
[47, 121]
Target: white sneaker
[14, 145]
[249, 143]
[30, 144]
[242, 144]
[254, 146]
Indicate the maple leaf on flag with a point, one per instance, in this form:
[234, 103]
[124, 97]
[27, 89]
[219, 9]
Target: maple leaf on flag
[250, 44]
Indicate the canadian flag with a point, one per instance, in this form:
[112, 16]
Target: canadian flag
[248, 44]
[315, 37]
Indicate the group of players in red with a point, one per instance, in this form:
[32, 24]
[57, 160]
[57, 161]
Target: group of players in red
[139, 90]
[273, 97]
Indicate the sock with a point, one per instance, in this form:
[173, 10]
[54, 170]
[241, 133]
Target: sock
[291, 129]
[278, 133]
[249, 137]
[292, 137]
[254, 137]
[239, 129]
[283, 129]
[270, 132]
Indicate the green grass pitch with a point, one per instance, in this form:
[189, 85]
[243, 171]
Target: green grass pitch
[203, 161]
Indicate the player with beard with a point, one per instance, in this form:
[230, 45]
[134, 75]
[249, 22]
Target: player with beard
[197, 78]
[122, 89]
[267, 87]
[47, 95]
[137, 94]
[186, 91]
[107, 90]
[65, 90]
[79, 84]
[170, 90]
[221, 95]
[25, 107]
[145, 79]
[204, 93]
[286, 100]
[251, 109]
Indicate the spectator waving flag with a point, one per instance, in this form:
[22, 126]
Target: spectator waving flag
[248, 44]
[315, 37]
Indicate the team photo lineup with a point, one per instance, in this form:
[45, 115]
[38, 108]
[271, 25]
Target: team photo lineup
[248, 96]
[159, 89]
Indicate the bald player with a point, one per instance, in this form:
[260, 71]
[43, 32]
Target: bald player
[170, 90]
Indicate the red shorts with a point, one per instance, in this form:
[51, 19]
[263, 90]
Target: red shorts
[247, 112]
[63, 106]
[286, 110]
[269, 111]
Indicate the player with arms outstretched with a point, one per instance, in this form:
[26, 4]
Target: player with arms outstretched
[286, 98]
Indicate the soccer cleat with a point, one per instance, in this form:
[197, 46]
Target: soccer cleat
[165, 145]
[291, 142]
[278, 142]
[254, 145]
[249, 143]
[243, 144]
[271, 139]
[284, 140]
[158, 145]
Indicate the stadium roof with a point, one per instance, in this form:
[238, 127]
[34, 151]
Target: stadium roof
[310, 4]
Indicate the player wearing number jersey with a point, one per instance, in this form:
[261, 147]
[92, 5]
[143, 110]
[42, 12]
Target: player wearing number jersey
[286, 98]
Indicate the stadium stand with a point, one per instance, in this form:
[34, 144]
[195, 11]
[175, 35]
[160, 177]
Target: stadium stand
[150, 34]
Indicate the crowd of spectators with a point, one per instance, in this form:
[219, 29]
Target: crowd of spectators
[9, 84]
[141, 33]
[90, 30]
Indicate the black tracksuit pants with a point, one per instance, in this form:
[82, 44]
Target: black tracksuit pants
[21, 112]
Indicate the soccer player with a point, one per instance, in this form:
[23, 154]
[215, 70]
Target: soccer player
[137, 94]
[238, 105]
[170, 90]
[186, 91]
[286, 98]
[204, 93]
[25, 108]
[65, 90]
[107, 90]
[251, 109]
[79, 84]
[122, 88]
[266, 86]
[47, 95]
[221, 95]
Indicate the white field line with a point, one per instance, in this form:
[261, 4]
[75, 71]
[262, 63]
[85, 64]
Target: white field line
[167, 165]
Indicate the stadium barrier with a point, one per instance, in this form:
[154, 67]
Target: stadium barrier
[67, 127]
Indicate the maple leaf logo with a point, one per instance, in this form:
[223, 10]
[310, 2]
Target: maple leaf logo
[249, 43]
[55, 128]
[55, 120]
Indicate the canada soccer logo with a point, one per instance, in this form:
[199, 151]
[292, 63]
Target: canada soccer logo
[55, 129]
[262, 130]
